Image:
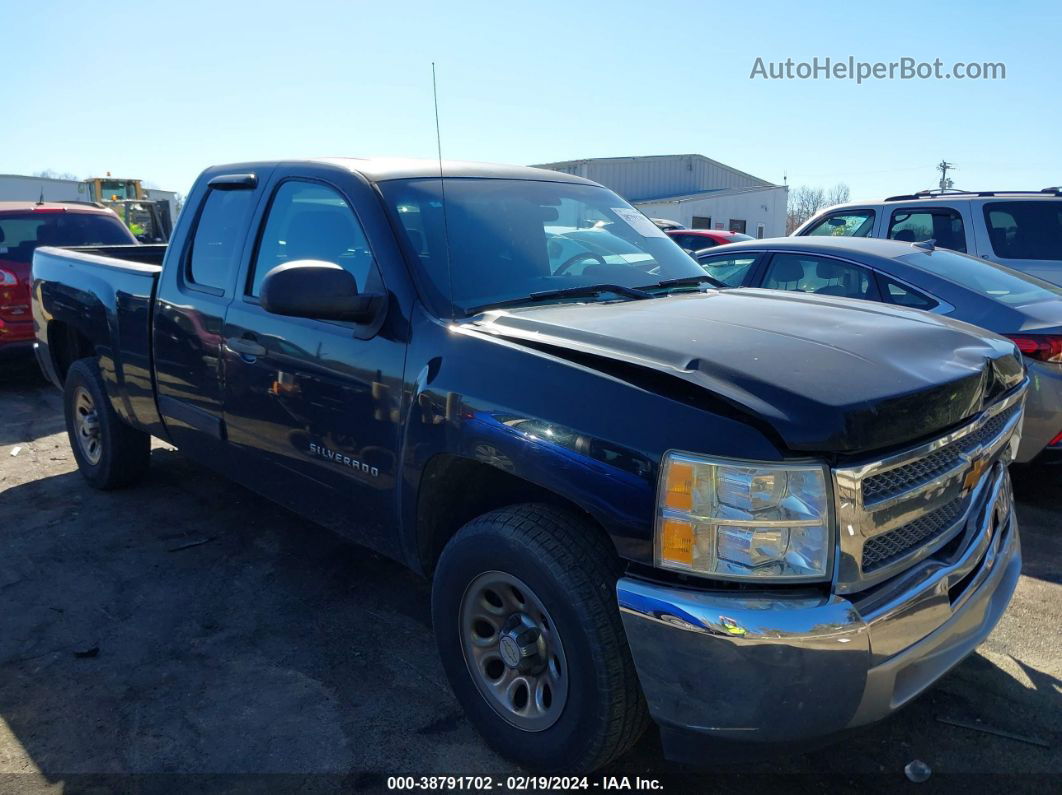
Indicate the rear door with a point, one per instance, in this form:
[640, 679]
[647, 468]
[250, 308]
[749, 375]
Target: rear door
[317, 401]
[197, 284]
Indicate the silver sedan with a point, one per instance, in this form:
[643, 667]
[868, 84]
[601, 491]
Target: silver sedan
[919, 276]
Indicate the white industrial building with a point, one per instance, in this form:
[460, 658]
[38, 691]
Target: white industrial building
[17, 187]
[693, 190]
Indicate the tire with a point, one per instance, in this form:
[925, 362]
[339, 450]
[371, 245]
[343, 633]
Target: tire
[109, 453]
[595, 710]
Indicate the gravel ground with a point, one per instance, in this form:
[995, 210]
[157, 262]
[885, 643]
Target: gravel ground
[186, 635]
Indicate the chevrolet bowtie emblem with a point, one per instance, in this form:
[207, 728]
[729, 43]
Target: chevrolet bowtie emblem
[977, 468]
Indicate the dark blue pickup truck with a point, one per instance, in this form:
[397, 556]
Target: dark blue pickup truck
[756, 517]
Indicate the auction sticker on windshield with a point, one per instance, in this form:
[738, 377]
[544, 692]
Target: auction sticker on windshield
[638, 222]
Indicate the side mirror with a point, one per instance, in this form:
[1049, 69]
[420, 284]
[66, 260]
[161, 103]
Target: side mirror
[316, 289]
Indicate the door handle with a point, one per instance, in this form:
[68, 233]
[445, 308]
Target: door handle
[245, 346]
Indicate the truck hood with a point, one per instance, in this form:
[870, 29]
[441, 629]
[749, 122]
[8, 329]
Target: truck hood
[828, 375]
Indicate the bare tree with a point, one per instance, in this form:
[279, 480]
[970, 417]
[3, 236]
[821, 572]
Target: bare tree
[49, 173]
[838, 194]
[805, 202]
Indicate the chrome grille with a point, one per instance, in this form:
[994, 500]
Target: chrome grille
[903, 478]
[896, 511]
[885, 548]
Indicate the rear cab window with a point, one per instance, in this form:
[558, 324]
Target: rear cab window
[1025, 229]
[845, 223]
[916, 224]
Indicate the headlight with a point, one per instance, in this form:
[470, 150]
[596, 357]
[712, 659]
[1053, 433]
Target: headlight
[737, 520]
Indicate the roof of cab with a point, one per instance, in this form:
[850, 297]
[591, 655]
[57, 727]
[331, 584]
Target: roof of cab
[380, 169]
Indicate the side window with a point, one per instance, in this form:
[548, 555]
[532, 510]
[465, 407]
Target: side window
[902, 295]
[311, 221]
[819, 275]
[1025, 229]
[730, 270]
[218, 237]
[916, 225]
[847, 223]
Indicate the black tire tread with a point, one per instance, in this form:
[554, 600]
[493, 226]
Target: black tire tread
[574, 551]
[127, 450]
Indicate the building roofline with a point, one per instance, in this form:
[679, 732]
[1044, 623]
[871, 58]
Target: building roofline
[580, 161]
[707, 194]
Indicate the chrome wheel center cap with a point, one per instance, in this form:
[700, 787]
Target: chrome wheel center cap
[521, 646]
[510, 651]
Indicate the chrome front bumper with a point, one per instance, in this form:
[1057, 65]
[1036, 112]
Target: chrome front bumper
[789, 667]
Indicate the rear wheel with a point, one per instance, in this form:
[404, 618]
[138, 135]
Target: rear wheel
[109, 453]
[526, 621]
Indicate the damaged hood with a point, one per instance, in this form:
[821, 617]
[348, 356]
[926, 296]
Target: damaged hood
[827, 374]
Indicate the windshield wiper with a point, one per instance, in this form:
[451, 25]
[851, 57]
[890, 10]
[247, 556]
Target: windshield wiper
[586, 290]
[684, 281]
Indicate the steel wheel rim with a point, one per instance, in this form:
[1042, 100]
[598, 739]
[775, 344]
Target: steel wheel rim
[513, 651]
[87, 426]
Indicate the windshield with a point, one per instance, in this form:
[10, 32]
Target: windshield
[992, 281]
[21, 233]
[512, 238]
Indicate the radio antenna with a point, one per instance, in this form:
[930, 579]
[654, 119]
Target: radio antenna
[442, 191]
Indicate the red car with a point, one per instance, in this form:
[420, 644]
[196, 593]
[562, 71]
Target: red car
[23, 227]
[697, 239]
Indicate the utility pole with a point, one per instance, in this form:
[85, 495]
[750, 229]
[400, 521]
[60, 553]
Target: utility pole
[943, 166]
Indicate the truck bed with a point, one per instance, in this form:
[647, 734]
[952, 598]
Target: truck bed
[148, 254]
[99, 299]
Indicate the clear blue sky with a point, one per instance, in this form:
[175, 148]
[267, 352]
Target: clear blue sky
[160, 90]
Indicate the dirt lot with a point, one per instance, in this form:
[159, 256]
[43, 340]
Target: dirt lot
[171, 636]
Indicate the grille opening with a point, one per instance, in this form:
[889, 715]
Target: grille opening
[909, 476]
[888, 547]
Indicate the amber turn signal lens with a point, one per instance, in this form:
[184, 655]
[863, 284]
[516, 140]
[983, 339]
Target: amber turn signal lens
[676, 542]
[679, 486]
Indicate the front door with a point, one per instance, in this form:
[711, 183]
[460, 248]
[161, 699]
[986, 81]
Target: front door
[318, 400]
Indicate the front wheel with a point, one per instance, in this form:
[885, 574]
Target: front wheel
[526, 621]
[109, 453]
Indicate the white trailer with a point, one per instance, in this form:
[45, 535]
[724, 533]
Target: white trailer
[15, 187]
